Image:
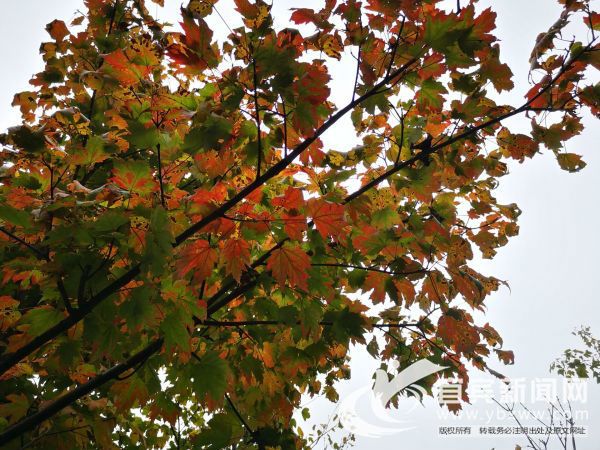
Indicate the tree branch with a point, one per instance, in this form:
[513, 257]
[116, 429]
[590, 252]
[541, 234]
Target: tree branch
[30, 422]
[285, 128]
[396, 45]
[281, 165]
[217, 301]
[424, 154]
[65, 296]
[369, 269]
[236, 412]
[325, 323]
[358, 56]
[10, 359]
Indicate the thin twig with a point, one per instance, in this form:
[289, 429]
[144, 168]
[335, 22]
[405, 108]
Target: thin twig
[257, 118]
[357, 71]
[65, 297]
[396, 45]
[160, 178]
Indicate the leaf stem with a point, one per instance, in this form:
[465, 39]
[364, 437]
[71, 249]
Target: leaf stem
[160, 178]
[257, 118]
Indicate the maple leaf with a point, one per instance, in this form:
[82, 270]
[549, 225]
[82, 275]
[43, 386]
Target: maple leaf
[236, 256]
[593, 21]
[124, 70]
[132, 391]
[289, 264]
[198, 256]
[328, 218]
[294, 226]
[535, 96]
[201, 8]
[332, 45]
[292, 199]
[457, 333]
[303, 15]
[209, 375]
[430, 95]
[506, 356]
[406, 290]
[16, 407]
[311, 93]
[518, 146]
[57, 29]
[376, 281]
[246, 8]
[570, 162]
[9, 314]
[133, 176]
[192, 50]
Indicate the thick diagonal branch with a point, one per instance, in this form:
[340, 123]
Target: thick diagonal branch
[32, 421]
[11, 359]
[226, 295]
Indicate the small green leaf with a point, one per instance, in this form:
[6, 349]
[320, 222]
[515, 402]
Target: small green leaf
[208, 135]
[27, 181]
[142, 136]
[137, 309]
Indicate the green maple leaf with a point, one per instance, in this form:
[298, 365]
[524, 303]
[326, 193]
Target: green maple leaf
[15, 216]
[430, 94]
[137, 309]
[158, 242]
[220, 431]
[210, 374]
[174, 328]
[40, 319]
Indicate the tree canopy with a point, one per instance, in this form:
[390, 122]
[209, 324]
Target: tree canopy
[178, 245]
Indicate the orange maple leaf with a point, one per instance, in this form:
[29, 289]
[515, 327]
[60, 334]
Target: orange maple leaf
[290, 263]
[198, 256]
[376, 282]
[292, 199]
[457, 333]
[328, 218]
[236, 257]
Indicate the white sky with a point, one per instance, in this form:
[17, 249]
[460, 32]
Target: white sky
[551, 266]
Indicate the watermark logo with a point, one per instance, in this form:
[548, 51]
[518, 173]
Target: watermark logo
[375, 420]
[365, 413]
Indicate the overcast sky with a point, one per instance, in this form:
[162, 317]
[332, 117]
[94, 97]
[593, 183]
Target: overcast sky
[551, 266]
